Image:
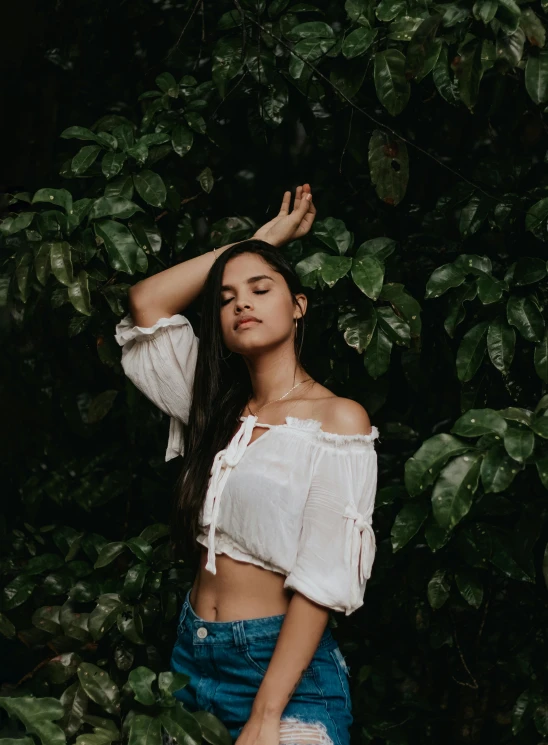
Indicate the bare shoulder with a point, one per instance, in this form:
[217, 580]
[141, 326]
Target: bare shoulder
[343, 416]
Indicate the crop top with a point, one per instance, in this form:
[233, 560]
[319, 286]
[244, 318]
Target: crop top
[297, 500]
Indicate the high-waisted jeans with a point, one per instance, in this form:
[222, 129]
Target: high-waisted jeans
[227, 660]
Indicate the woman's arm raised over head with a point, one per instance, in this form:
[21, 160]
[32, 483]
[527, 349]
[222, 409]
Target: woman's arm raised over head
[172, 290]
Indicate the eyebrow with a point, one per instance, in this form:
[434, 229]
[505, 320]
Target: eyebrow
[249, 281]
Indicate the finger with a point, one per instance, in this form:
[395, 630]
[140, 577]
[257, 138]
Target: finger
[286, 201]
[297, 202]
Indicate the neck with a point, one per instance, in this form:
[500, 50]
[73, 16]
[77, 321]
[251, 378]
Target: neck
[272, 374]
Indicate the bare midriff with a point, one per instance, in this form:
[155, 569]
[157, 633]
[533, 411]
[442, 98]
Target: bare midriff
[238, 591]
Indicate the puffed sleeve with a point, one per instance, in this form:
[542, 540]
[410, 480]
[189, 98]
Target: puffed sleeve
[160, 361]
[337, 544]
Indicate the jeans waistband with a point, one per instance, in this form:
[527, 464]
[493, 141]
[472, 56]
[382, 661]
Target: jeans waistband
[238, 632]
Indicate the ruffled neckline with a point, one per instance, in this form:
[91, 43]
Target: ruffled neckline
[315, 426]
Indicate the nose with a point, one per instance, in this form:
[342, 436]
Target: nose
[243, 304]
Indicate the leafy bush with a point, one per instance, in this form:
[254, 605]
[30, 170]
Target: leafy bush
[420, 128]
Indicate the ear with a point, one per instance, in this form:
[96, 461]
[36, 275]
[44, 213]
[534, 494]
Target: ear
[302, 302]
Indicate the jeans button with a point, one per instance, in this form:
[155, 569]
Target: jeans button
[202, 632]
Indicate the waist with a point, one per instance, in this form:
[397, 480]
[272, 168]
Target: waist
[236, 631]
[238, 591]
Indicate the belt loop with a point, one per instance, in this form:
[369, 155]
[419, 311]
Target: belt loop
[182, 616]
[239, 633]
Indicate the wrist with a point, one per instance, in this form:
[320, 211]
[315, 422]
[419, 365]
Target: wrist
[265, 710]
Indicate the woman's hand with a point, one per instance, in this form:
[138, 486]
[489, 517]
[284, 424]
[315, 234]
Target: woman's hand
[260, 730]
[288, 226]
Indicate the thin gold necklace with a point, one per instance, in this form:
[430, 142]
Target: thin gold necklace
[277, 399]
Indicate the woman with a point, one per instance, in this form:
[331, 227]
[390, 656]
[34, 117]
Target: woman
[279, 505]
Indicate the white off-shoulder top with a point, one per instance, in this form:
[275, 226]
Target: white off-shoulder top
[297, 500]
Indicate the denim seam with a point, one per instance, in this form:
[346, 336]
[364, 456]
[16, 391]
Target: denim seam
[328, 713]
[308, 673]
[341, 671]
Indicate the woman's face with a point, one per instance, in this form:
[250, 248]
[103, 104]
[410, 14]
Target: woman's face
[251, 287]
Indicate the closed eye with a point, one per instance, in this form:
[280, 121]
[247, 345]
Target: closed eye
[256, 292]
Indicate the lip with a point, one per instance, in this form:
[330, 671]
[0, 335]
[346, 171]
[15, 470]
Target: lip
[246, 321]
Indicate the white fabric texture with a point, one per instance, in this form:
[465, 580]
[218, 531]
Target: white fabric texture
[297, 500]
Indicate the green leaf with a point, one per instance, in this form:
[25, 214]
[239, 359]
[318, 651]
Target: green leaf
[438, 589]
[536, 219]
[358, 42]
[60, 197]
[7, 629]
[334, 234]
[122, 250]
[519, 443]
[420, 44]
[532, 27]
[528, 270]
[445, 85]
[395, 328]
[167, 84]
[150, 187]
[387, 10]
[477, 422]
[489, 289]
[183, 726]
[469, 73]
[312, 29]
[206, 180]
[120, 187]
[403, 28]
[141, 549]
[84, 159]
[376, 357]
[100, 687]
[75, 705]
[334, 268]
[38, 716]
[498, 470]
[393, 90]
[541, 358]
[453, 491]
[213, 730]
[536, 79]
[484, 10]
[78, 293]
[359, 329]
[388, 166]
[61, 262]
[63, 667]
[408, 523]
[404, 304]
[104, 615]
[501, 344]
[471, 351]
[422, 469]
[473, 215]
[226, 62]
[141, 679]
[18, 591]
[108, 553]
[78, 133]
[182, 139]
[368, 275]
[442, 279]
[116, 206]
[145, 730]
[112, 164]
[135, 580]
[523, 313]
[470, 587]
[307, 50]
[380, 248]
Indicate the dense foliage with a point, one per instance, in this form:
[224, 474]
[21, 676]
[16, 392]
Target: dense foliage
[420, 127]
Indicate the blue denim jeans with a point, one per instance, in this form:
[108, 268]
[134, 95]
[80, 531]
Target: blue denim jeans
[227, 660]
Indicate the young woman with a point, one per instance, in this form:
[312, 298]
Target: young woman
[276, 492]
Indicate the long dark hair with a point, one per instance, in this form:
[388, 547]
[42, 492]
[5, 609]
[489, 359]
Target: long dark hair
[221, 390]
